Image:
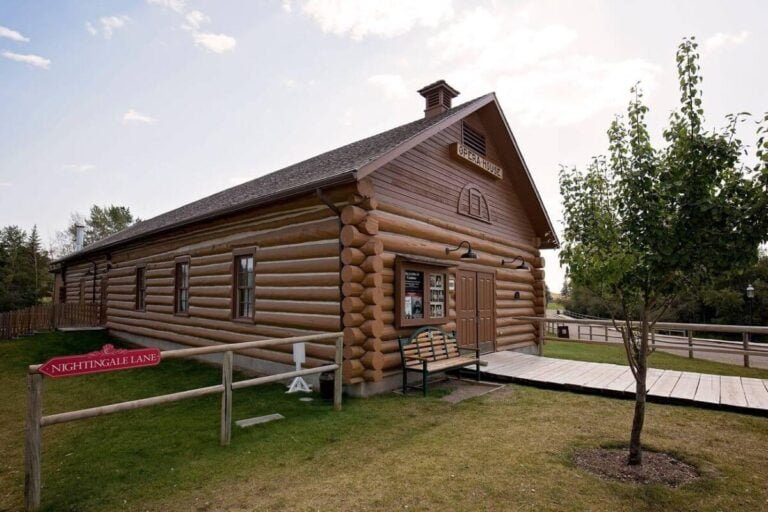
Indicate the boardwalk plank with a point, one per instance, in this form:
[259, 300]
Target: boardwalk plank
[544, 373]
[755, 392]
[622, 382]
[665, 384]
[686, 386]
[732, 391]
[611, 373]
[709, 389]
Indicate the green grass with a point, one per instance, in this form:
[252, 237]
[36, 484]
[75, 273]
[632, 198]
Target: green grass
[555, 305]
[506, 450]
[615, 354]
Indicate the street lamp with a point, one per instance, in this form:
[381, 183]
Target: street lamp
[750, 298]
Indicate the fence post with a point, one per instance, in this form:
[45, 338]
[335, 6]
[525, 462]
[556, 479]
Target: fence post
[653, 339]
[337, 373]
[745, 339]
[32, 442]
[226, 399]
[590, 332]
[606, 333]
[690, 344]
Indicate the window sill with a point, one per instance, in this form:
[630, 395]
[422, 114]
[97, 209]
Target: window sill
[244, 320]
[421, 322]
[184, 315]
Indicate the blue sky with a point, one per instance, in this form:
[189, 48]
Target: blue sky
[154, 103]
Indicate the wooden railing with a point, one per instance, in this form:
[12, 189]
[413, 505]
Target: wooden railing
[36, 420]
[664, 336]
[46, 317]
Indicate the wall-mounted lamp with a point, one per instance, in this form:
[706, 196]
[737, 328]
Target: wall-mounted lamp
[520, 266]
[469, 255]
[517, 295]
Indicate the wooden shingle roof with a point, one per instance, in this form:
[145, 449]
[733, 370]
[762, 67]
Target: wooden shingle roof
[327, 169]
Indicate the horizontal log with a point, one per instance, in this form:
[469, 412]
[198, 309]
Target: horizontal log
[352, 274]
[210, 270]
[502, 341]
[373, 247]
[353, 336]
[352, 237]
[353, 319]
[372, 328]
[373, 280]
[515, 329]
[325, 279]
[321, 249]
[373, 360]
[352, 256]
[453, 232]
[353, 214]
[305, 307]
[210, 302]
[373, 344]
[352, 368]
[372, 264]
[373, 312]
[353, 352]
[368, 226]
[352, 289]
[372, 295]
[314, 293]
[313, 322]
[352, 305]
[220, 280]
[299, 266]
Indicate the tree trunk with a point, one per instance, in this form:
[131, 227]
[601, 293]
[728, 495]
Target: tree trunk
[635, 448]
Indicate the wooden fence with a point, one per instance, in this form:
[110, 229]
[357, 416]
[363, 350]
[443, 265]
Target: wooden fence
[36, 421]
[46, 317]
[670, 336]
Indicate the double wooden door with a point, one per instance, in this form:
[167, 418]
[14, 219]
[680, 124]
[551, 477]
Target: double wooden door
[475, 309]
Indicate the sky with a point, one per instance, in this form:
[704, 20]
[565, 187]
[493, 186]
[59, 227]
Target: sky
[152, 104]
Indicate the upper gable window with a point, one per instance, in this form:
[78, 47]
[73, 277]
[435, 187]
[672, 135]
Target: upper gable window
[473, 139]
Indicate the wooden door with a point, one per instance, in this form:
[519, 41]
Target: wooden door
[486, 311]
[466, 308]
[475, 309]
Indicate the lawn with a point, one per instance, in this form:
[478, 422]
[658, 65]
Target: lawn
[508, 450]
[615, 354]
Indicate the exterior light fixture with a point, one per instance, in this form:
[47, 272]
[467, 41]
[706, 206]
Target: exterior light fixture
[751, 298]
[517, 295]
[469, 255]
[519, 266]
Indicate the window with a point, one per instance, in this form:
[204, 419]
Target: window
[473, 139]
[181, 287]
[244, 285]
[421, 293]
[141, 288]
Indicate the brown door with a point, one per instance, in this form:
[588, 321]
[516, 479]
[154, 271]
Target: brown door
[475, 310]
[466, 308]
[486, 306]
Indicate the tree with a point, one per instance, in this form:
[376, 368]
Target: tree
[101, 222]
[24, 277]
[645, 226]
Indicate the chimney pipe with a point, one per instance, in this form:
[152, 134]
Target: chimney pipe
[438, 98]
[79, 237]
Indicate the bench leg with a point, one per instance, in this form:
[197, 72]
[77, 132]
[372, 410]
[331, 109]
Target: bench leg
[477, 372]
[405, 381]
[424, 381]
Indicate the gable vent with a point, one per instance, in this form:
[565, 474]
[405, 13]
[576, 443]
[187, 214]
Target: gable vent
[473, 139]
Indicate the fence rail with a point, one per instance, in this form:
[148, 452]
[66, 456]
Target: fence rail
[665, 335]
[47, 317]
[36, 420]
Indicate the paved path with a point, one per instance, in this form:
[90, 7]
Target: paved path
[668, 386]
[597, 333]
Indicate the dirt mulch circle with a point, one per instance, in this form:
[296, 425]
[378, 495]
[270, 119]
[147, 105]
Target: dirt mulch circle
[657, 467]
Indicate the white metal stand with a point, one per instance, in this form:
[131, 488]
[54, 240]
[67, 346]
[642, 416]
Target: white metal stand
[299, 385]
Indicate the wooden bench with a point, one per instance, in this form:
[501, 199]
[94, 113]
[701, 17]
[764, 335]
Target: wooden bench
[431, 350]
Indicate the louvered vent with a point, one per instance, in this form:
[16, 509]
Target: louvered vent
[473, 139]
[433, 98]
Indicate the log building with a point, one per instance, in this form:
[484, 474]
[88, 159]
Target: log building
[356, 239]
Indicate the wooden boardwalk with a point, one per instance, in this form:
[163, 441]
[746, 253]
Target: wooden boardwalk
[667, 386]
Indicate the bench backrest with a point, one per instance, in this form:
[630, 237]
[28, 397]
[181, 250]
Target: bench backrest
[430, 343]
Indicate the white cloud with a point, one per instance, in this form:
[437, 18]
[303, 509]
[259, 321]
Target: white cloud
[5, 184]
[12, 34]
[290, 83]
[32, 60]
[79, 168]
[287, 6]
[217, 43]
[721, 39]
[484, 40]
[174, 5]
[194, 19]
[359, 19]
[108, 25]
[567, 91]
[393, 86]
[133, 116]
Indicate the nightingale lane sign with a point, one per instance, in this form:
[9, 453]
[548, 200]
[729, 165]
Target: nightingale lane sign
[108, 359]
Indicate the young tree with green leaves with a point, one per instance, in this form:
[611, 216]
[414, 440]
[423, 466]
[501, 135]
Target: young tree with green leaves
[101, 222]
[646, 226]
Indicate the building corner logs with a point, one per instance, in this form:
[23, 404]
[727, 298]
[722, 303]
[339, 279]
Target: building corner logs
[361, 277]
